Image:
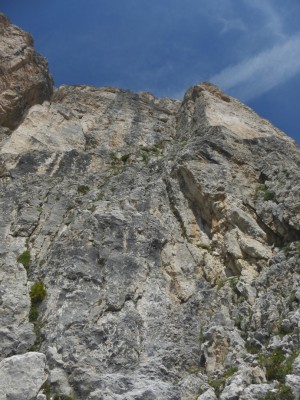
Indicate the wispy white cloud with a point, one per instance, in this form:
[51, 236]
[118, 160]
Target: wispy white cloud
[273, 20]
[224, 14]
[262, 72]
[231, 24]
[230, 16]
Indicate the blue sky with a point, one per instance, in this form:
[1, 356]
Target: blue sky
[250, 48]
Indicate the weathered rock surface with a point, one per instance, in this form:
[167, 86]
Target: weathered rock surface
[22, 376]
[24, 75]
[158, 244]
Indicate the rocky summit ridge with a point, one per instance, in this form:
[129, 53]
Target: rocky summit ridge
[149, 248]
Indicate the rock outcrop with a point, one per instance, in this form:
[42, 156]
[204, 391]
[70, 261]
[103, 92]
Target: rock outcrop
[150, 248]
[24, 75]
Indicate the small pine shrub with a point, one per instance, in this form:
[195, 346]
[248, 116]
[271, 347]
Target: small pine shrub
[24, 259]
[269, 195]
[83, 189]
[125, 158]
[37, 293]
[266, 194]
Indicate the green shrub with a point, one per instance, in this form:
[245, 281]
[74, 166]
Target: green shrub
[287, 249]
[259, 189]
[201, 336]
[37, 326]
[232, 281]
[266, 194]
[225, 98]
[282, 393]
[251, 348]
[230, 372]
[100, 196]
[292, 299]
[37, 292]
[153, 150]
[219, 384]
[277, 365]
[125, 158]
[33, 313]
[269, 195]
[159, 145]
[117, 169]
[24, 259]
[47, 390]
[198, 393]
[114, 158]
[145, 158]
[83, 189]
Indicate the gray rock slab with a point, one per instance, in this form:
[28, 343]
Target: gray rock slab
[22, 376]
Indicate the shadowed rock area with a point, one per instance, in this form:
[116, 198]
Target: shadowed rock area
[150, 248]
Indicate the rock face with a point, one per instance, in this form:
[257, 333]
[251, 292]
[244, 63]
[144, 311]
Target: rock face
[24, 75]
[150, 247]
[22, 376]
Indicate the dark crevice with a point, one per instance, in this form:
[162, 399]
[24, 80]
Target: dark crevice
[204, 226]
[197, 205]
[275, 238]
[219, 149]
[173, 208]
[262, 178]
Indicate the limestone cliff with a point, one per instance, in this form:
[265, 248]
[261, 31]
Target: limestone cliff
[24, 75]
[150, 248]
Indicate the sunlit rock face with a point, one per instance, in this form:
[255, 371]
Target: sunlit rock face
[149, 248]
[24, 75]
